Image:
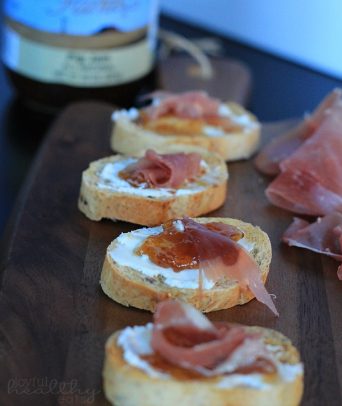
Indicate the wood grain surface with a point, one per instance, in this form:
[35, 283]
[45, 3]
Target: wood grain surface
[54, 318]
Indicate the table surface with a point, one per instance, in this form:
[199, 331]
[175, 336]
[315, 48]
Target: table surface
[280, 90]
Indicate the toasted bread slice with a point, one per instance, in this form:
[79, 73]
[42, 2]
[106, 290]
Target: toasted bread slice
[130, 382]
[132, 134]
[134, 280]
[105, 195]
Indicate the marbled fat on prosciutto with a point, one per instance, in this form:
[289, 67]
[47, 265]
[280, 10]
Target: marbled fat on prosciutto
[186, 338]
[281, 147]
[163, 170]
[323, 236]
[195, 104]
[310, 181]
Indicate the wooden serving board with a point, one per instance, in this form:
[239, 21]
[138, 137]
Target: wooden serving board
[54, 318]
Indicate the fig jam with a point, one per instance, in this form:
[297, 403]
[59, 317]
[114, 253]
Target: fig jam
[182, 247]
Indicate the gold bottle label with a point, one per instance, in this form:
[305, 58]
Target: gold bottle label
[103, 60]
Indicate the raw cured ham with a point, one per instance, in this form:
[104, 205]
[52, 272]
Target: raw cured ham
[186, 338]
[211, 249]
[221, 256]
[186, 105]
[163, 170]
[281, 147]
[323, 236]
[310, 181]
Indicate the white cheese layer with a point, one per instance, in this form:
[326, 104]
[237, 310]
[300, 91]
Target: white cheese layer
[211, 131]
[130, 114]
[244, 120]
[135, 342]
[109, 179]
[124, 255]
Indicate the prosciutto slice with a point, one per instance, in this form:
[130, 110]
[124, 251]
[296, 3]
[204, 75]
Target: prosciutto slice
[323, 236]
[281, 147]
[220, 256]
[310, 181]
[186, 338]
[188, 105]
[163, 171]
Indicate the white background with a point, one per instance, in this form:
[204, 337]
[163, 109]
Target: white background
[305, 31]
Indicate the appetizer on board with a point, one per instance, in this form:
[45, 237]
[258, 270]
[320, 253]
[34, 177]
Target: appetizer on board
[182, 358]
[192, 119]
[212, 263]
[154, 189]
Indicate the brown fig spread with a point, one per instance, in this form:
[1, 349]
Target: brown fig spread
[173, 125]
[156, 361]
[179, 248]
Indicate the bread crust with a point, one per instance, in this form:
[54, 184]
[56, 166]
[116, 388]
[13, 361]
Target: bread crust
[97, 203]
[131, 288]
[132, 139]
[127, 385]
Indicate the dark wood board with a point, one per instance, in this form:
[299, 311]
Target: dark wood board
[54, 318]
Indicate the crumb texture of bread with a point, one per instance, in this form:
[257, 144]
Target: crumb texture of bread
[98, 202]
[127, 385]
[130, 138]
[130, 287]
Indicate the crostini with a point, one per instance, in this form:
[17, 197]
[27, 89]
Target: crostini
[184, 359]
[191, 119]
[211, 263]
[155, 188]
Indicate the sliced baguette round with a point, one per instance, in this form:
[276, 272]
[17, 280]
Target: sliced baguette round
[130, 287]
[195, 198]
[127, 385]
[130, 138]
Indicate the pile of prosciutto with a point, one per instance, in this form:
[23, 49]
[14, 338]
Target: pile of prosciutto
[308, 165]
[184, 337]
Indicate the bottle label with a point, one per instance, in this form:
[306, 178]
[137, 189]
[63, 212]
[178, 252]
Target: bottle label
[77, 67]
[82, 17]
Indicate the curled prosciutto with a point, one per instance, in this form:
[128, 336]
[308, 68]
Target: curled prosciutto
[186, 338]
[194, 104]
[323, 236]
[163, 170]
